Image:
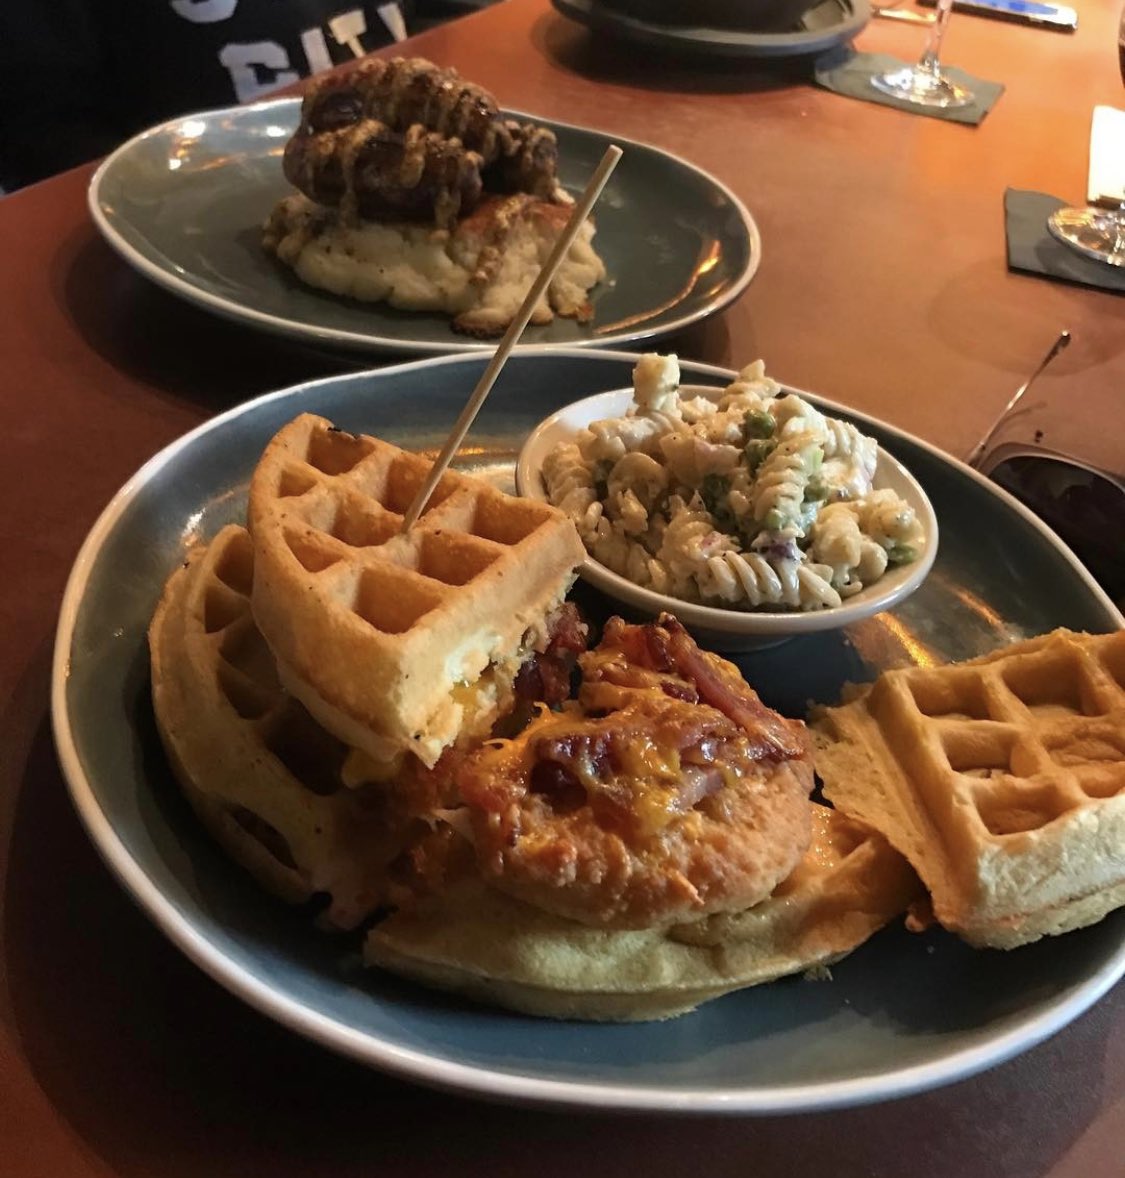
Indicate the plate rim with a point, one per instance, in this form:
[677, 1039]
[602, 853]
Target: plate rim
[425, 1066]
[296, 329]
[718, 42]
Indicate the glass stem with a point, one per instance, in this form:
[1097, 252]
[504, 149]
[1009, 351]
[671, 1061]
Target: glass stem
[932, 52]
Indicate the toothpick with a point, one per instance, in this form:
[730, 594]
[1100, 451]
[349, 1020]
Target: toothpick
[515, 329]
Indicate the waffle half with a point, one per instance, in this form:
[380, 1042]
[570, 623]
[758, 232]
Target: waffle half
[490, 947]
[1002, 780]
[398, 642]
[260, 774]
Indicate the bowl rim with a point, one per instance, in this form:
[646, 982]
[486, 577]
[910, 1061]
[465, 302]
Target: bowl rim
[719, 619]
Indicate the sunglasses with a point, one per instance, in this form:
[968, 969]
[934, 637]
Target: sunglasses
[1082, 504]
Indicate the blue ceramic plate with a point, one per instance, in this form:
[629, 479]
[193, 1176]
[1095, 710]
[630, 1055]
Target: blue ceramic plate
[184, 204]
[902, 1014]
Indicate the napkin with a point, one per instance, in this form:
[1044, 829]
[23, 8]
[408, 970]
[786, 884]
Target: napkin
[1032, 248]
[844, 71]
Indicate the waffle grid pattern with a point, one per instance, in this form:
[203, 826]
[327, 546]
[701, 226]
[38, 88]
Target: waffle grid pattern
[1024, 740]
[263, 777]
[341, 591]
[340, 508]
[247, 676]
[1002, 780]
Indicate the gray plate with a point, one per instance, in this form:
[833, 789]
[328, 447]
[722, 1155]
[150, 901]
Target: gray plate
[902, 1014]
[825, 25]
[184, 203]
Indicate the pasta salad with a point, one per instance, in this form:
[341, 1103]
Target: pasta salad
[750, 499]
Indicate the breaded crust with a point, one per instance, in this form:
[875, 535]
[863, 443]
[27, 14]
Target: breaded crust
[659, 812]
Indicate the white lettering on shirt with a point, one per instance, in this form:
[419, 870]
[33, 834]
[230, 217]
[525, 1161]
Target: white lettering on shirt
[347, 28]
[240, 60]
[391, 16]
[316, 50]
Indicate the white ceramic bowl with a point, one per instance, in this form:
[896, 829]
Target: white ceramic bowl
[732, 629]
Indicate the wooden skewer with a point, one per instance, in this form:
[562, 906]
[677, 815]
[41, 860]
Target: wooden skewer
[515, 329]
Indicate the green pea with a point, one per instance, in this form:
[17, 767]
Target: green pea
[816, 490]
[758, 450]
[715, 489]
[760, 424]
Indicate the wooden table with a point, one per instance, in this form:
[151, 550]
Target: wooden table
[883, 285]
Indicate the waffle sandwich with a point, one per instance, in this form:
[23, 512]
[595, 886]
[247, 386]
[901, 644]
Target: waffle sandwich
[329, 691]
[1001, 779]
[398, 643]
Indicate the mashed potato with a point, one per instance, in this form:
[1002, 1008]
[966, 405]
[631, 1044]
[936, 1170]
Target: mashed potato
[478, 272]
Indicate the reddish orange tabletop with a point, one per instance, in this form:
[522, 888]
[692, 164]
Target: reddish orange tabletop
[883, 285]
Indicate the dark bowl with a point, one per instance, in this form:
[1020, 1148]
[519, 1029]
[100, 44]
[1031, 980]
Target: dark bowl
[741, 15]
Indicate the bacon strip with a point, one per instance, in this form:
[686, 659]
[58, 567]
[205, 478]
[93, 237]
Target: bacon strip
[545, 677]
[665, 647]
[571, 760]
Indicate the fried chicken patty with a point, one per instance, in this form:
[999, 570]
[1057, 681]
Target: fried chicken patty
[664, 808]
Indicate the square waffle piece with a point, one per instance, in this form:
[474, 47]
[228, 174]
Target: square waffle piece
[398, 642]
[486, 945]
[262, 777]
[1002, 780]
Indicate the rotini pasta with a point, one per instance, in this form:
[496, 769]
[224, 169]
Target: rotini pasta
[891, 523]
[751, 499]
[783, 482]
[639, 473]
[838, 542]
[570, 485]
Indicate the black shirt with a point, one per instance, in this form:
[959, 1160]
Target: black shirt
[77, 77]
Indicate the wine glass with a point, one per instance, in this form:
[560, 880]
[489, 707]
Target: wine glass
[1097, 233]
[924, 84]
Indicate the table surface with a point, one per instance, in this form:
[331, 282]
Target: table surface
[883, 285]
